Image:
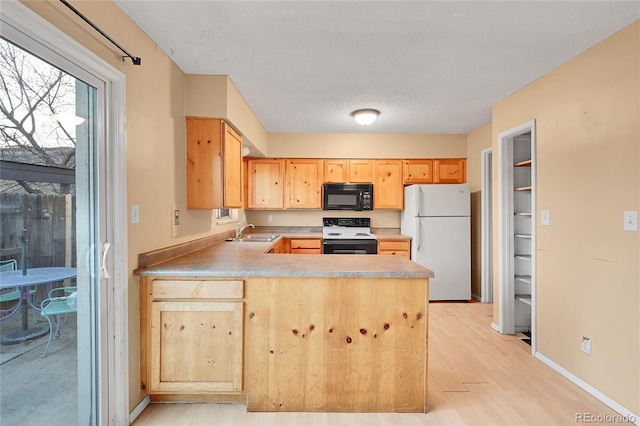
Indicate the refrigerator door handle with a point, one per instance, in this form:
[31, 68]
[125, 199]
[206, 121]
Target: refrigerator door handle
[418, 200]
[418, 242]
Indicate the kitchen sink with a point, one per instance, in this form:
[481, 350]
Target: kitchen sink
[257, 238]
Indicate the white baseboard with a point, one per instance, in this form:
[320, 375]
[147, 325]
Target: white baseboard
[628, 415]
[139, 408]
[475, 296]
[496, 327]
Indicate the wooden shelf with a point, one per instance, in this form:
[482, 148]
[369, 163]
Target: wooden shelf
[524, 278]
[526, 163]
[523, 188]
[523, 257]
[526, 236]
[524, 298]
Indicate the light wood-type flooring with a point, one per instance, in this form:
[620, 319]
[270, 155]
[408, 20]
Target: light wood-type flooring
[476, 377]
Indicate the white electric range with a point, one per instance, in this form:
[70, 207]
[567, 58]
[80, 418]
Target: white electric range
[348, 235]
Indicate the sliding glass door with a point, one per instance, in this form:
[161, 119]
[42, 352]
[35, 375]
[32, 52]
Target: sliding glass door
[63, 184]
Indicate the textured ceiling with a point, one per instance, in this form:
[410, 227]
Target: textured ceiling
[428, 66]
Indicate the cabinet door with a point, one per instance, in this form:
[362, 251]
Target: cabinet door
[336, 171]
[196, 346]
[418, 171]
[388, 192]
[360, 171]
[451, 170]
[265, 184]
[204, 154]
[232, 157]
[214, 164]
[304, 184]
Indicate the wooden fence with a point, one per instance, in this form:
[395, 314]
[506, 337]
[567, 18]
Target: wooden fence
[47, 222]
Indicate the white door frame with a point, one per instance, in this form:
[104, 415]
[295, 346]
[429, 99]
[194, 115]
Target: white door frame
[486, 253]
[506, 226]
[39, 36]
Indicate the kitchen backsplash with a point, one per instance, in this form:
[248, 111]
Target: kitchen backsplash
[313, 218]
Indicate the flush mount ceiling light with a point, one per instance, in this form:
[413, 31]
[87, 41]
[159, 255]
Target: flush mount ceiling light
[365, 116]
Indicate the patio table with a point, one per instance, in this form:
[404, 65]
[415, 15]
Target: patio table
[33, 276]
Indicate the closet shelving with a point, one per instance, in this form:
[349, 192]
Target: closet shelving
[523, 229]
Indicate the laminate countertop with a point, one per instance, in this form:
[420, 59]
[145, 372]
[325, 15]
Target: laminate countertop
[251, 259]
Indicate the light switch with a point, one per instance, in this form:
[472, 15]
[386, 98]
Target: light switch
[270, 218]
[545, 218]
[631, 221]
[176, 210]
[135, 213]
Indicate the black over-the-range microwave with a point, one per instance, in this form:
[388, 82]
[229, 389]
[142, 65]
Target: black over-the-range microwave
[347, 196]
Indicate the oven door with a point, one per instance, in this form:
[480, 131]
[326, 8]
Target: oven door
[349, 247]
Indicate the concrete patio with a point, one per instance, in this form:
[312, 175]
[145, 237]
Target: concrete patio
[35, 390]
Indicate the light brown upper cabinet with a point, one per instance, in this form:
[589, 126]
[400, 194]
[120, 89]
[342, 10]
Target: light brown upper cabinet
[418, 171]
[336, 171]
[265, 183]
[388, 191]
[304, 183]
[354, 171]
[450, 170]
[214, 164]
[360, 171]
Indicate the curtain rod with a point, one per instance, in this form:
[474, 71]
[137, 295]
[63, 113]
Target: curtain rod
[135, 59]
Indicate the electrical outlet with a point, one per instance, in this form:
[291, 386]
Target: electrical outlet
[135, 213]
[586, 345]
[269, 218]
[176, 217]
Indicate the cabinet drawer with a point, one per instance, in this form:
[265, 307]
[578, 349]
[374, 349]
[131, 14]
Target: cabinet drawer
[178, 289]
[306, 244]
[394, 245]
[404, 253]
[306, 251]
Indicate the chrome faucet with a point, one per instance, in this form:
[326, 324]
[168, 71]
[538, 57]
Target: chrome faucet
[241, 228]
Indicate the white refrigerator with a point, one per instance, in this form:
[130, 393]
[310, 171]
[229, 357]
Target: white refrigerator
[437, 218]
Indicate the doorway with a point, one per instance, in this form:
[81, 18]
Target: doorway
[94, 156]
[517, 231]
[487, 226]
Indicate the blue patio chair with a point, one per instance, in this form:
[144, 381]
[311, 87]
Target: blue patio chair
[53, 307]
[13, 295]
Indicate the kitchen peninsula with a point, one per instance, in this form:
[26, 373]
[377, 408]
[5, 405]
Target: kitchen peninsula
[286, 332]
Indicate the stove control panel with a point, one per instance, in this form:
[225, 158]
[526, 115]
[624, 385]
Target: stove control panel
[348, 222]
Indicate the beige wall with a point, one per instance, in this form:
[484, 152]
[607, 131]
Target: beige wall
[379, 218]
[351, 145]
[477, 141]
[587, 123]
[217, 96]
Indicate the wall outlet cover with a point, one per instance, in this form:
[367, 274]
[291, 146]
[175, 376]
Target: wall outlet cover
[586, 345]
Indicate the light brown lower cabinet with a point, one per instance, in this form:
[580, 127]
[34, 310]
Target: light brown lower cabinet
[192, 337]
[305, 245]
[336, 344]
[287, 343]
[395, 248]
